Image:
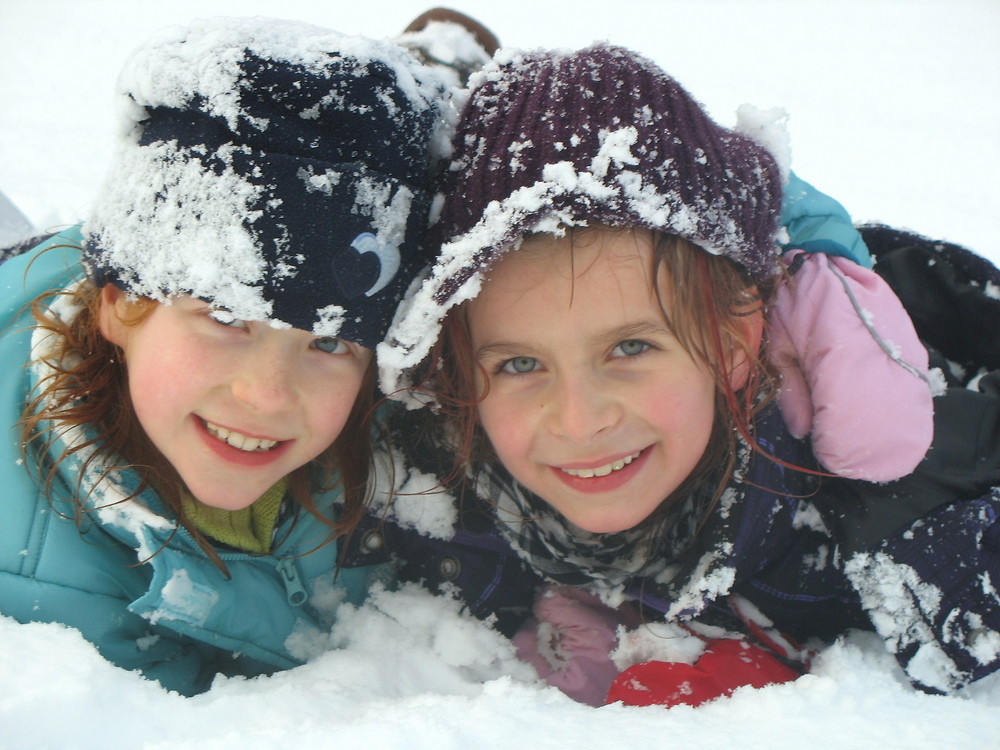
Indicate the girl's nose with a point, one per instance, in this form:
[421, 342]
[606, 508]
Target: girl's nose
[579, 409]
[266, 380]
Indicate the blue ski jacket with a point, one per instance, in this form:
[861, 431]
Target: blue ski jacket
[132, 582]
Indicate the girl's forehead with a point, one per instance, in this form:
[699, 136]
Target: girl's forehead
[550, 260]
[561, 276]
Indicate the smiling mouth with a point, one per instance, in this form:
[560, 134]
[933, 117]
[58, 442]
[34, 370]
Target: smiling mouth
[240, 441]
[602, 471]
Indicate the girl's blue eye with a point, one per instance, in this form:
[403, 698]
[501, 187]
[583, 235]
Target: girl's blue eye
[519, 365]
[330, 345]
[226, 318]
[631, 347]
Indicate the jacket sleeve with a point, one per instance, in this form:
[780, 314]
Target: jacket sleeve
[950, 293]
[124, 639]
[815, 222]
[929, 591]
[929, 585]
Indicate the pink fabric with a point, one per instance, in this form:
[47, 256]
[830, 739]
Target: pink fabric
[570, 640]
[856, 381]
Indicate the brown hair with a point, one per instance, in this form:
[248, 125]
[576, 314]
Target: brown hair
[708, 308]
[88, 385]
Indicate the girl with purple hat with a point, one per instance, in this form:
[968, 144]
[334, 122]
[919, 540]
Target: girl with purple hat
[663, 418]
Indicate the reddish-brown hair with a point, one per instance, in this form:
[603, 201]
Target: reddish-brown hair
[88, 386]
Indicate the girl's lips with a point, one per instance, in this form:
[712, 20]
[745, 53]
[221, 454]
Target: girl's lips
[219, 439]
[603, 478]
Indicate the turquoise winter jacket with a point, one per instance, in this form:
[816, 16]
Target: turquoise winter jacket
[141, 591]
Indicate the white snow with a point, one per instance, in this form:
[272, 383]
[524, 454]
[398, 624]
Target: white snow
[418, 501]
[892, 109]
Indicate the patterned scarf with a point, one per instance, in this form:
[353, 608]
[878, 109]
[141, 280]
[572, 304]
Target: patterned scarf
[565, 553]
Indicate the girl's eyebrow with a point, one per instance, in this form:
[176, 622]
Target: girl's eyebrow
[639, 329]
[502, 350]
[635, 330]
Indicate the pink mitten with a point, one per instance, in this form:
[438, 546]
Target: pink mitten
[854, 373]
[570, 640]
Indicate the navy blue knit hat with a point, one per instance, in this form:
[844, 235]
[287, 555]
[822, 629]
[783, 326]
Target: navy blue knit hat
[276, 170]
[553, 140]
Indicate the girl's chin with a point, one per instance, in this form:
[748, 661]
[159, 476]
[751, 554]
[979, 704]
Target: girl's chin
[608, 520]
[227, 501]
[605, 527]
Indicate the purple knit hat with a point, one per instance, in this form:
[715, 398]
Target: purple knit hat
[551, 140]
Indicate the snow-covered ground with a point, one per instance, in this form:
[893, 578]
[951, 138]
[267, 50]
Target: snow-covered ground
[893, 108]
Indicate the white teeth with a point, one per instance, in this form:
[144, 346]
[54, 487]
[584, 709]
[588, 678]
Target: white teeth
[603, 471]
[239, 440]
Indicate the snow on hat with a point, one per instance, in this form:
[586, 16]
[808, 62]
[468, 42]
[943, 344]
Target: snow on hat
[277, 170]
[552, 140]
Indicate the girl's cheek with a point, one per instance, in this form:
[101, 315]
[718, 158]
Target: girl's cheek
[507, 425]
[491, 420]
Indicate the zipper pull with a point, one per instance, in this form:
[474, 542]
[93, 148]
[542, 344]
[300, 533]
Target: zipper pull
[294, 589]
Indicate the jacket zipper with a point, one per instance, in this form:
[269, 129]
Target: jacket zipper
[294, 590]
[288, 571]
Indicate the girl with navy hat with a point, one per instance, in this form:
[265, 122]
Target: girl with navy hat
[190, 372]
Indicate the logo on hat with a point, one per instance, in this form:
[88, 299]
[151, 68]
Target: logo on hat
[365, 267]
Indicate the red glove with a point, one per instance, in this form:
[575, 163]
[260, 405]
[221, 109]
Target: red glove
[725, 666]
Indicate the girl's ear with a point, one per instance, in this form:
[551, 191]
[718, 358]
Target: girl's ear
[752, 331]
[109, 320]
